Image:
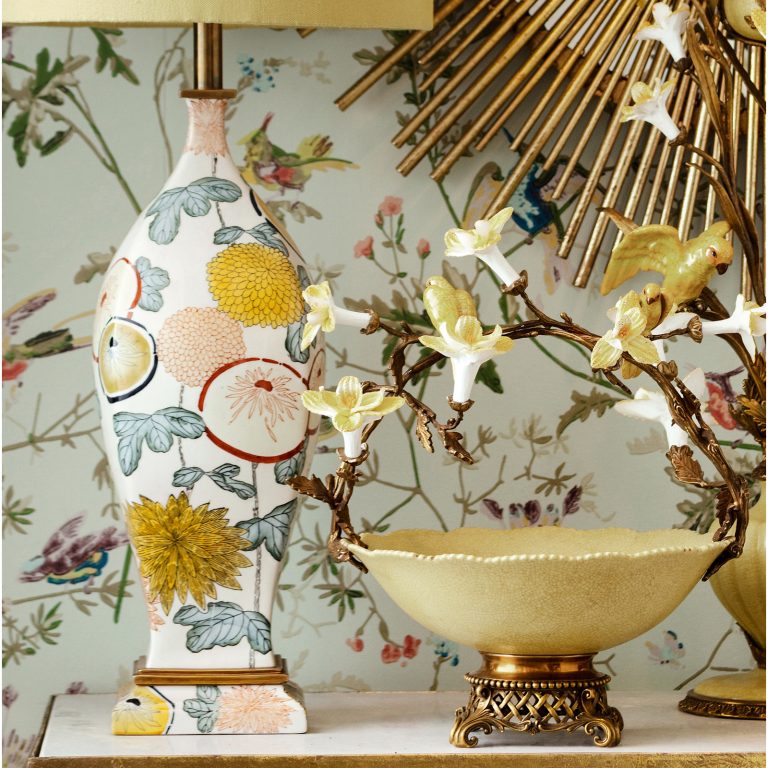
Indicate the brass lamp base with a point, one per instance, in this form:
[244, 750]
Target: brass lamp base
[537, 694]
[740, 696]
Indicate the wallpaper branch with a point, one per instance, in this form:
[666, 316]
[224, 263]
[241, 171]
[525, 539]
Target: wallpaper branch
[561, 456]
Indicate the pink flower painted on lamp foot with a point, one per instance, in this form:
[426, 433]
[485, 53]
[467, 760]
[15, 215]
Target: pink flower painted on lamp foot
[12, 371]
[364, 248]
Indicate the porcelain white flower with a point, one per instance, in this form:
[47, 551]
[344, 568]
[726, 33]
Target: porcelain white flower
[453, 312]
[668, 28]
[652, 406]
[651, 106]
[625, 336]
[350, 409]
[482, 242]
[323, 313]
[748, 320]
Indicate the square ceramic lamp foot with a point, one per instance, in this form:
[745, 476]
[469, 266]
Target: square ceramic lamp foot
[537, 694]
[232, 701]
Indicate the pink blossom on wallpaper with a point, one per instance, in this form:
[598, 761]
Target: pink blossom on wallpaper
[12, 371]
[356, 644]
[391, 206]
[390, 653]
[10, 694]
[423, 248]
[410, 646]
[718, 407]
[76, 688]
[378, 219]
[364, 248]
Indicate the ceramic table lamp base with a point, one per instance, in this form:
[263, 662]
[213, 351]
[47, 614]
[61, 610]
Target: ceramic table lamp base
[740, 586]
[200, 374]
[535, 694]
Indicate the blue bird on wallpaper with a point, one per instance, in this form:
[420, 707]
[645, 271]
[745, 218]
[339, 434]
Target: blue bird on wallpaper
[71, 559]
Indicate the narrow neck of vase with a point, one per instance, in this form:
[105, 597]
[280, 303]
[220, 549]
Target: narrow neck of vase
[206, 134]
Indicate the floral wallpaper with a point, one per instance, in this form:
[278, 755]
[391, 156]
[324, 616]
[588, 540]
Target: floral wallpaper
[92, 125]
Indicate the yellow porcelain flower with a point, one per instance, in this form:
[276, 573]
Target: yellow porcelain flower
[453, 312]
[256, 284]
[626, 336]
[324, 314]
[482, 242]
[350, 409]
[184, 549]
[651, 106]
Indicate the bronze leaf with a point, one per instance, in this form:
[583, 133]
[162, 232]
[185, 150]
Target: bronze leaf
[687, 469]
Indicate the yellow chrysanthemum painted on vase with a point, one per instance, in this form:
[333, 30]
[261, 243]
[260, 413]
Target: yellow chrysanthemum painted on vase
[256, 284]
[185, 549]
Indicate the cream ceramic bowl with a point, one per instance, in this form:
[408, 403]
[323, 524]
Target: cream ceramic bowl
[541, 590]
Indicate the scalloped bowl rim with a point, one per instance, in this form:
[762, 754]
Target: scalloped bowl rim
[707, 544]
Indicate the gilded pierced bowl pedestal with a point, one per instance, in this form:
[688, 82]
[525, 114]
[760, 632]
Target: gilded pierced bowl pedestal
[537, 694]
[538, 603]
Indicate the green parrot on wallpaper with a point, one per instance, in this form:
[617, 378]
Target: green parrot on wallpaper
[272, 167]
[687, 266]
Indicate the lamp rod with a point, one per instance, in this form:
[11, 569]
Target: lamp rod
[208, 64]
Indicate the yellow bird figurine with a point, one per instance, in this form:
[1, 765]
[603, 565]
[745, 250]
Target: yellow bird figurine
[687, 267]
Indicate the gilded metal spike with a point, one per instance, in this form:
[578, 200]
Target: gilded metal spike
[754, 139]
[533, 69]
[598, 165]
[623, 162]
[465, 43]
[677, 161]
[693, 174]
[453, 30]
[681, 98]
[584, 63]
[592, 80]
[470, 95]
[376, 72]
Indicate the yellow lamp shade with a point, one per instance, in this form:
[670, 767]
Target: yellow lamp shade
[392, 14]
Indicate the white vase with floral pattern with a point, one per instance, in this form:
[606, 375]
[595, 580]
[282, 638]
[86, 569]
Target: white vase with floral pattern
[200, 373]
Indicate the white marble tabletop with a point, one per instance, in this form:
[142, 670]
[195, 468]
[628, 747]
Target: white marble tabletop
[388, 729]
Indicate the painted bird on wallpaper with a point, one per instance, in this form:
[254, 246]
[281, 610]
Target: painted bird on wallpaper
[272, 167]
[687, 266]
[71, 559]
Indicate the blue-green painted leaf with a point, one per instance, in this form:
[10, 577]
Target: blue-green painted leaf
[243, 490]
[208, 693]
[227, 235]
[195, 199]
[157, 434]
[223, 624]
[186, 477]
[272, 530]
[156, 429]
[129, 453]
[153, 280]
[266, 234]
[205, 724]
[183, 423]
[204, 711]
[196, 202]
[220, 190]
[288, 468]
[296, 330]
[228, 470]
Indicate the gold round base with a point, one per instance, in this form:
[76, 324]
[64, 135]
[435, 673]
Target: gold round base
[537, 694]
[705, 706]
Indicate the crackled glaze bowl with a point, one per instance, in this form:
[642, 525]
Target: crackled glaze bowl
[541, 590]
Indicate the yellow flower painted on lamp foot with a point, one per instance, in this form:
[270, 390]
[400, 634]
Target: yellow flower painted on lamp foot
[256, 284]
[184, 549]
[142, 712]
